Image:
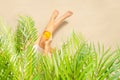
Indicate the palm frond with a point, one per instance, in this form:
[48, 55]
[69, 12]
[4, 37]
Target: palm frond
[76, 60]
[25, 33]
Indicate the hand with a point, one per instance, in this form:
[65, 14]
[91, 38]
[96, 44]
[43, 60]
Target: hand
[50, 28]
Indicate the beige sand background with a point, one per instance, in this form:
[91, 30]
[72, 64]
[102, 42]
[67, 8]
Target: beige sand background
[97, 20]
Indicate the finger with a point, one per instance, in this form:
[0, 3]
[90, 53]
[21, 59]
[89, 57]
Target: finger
[53, 16]
[62, 18]
[50, 25]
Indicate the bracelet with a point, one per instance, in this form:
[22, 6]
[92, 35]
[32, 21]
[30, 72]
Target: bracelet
[46, 34]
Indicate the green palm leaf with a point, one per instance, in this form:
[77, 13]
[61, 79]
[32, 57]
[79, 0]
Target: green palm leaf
[76, 60]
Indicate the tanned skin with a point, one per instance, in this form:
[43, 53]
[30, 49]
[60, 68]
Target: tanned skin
[51, 27]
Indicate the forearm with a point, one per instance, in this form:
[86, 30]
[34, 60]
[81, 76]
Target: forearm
[45, 37]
